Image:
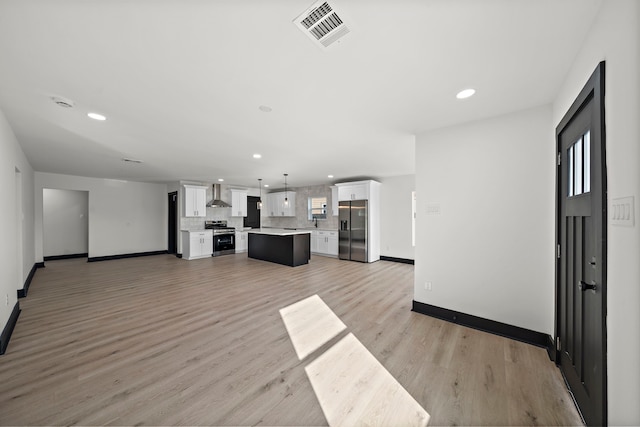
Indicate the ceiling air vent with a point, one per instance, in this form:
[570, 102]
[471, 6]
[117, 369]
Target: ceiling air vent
[322, 24]
[62, 102]
[130, 160]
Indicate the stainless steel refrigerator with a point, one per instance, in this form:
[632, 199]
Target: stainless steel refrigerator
[354, 231]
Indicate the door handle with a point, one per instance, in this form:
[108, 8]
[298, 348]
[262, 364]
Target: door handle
[584, 286]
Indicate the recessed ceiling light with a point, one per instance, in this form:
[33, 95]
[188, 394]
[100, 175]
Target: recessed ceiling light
[265, 108]
[257, 156]
[465, 93]
[96, 116]
[266, 186]
[220, 179]
[329, 176]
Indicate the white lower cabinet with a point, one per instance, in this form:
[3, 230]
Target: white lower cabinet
[332, 240]
[197, 244]
[242, 241]
[324, 242]
[314, 242]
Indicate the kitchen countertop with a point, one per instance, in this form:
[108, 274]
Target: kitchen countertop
[296, 228]
[278, 231]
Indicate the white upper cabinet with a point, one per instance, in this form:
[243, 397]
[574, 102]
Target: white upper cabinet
[353, 191]
[334, 200]
[238, 202]
[276, 206]
[195, 201]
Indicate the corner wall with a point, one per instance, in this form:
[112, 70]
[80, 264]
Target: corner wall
[485, 219]
[66, 222]
[124, 217]
[396, 213]
[17, 248]
[615, 38]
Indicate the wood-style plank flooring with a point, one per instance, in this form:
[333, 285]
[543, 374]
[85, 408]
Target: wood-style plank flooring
[163, 341]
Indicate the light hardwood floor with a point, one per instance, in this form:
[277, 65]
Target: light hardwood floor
[162, 341]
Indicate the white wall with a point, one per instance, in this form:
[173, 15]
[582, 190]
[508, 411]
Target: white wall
[485, 219]
[124, 217]
[17, 248]
[395, 216]
[65, 222]
[615, 38]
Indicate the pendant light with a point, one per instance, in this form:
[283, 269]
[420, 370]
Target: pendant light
[286, 199]
[260, 199]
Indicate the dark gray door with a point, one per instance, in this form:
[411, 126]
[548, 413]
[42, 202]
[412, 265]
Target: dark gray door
[581, 267]
[253, 213]
[172, 244]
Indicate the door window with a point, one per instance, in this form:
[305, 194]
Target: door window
[580, 166]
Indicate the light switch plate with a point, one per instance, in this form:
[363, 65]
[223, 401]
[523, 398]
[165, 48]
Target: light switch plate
[622, 211]
[433, 209]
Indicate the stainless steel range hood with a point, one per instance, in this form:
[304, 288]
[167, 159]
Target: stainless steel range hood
[217, 201]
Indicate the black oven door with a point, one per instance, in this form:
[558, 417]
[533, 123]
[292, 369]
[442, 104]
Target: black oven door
[224, 244]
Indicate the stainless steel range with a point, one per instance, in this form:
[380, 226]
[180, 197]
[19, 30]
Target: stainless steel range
[224, 237]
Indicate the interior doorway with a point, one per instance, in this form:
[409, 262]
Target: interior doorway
[65, 217]
[253, 213]
[581, 269]
[172, 231]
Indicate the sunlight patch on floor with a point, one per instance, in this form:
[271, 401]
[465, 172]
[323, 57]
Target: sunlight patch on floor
[310, 324]
[352, 387]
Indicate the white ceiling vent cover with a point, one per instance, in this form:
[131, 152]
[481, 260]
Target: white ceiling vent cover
[322, 24]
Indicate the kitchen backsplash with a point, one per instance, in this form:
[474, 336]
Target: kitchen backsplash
[302, 205]
[193, 224]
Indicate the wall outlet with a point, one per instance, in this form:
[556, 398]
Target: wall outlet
[6, 299]
[427, 286]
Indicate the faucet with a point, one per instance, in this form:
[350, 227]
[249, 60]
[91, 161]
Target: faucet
[315, 218]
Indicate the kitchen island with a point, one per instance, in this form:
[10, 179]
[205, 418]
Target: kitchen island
[282, 246]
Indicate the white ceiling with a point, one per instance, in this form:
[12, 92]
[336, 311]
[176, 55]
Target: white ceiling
[181, 82]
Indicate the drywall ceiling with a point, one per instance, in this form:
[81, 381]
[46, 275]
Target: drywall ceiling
[181, 82]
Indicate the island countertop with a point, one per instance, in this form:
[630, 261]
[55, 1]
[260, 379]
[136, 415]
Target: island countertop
[278, 231]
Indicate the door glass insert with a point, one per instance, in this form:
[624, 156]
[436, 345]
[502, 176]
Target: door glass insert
[587, 162]
[577, 179]
[579, 170]
[571, 166]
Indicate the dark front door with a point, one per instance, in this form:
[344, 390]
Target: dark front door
[172, 245]
[581, 268]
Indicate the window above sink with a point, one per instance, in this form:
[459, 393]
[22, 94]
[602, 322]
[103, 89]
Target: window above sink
[317, 208]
